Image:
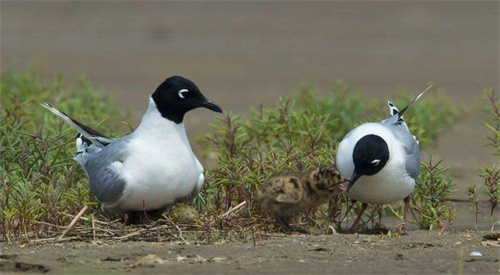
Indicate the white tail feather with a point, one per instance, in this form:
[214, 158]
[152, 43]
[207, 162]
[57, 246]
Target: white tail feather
[70, 121]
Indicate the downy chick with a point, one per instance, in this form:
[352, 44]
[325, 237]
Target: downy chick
[286, 195]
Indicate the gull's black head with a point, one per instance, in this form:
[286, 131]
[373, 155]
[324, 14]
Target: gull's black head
[178, 95]
[370, 155]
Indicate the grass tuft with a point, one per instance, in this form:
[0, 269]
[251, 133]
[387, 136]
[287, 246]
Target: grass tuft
[490, 176]
[429, 205]
[38, 178]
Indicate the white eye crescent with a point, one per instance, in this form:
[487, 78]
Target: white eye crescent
[376, 162]
[181, 93]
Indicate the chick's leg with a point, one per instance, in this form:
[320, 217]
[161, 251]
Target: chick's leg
[283, 224]
[286, 226]
[352, 230]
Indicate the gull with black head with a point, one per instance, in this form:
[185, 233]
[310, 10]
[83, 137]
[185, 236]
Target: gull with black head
[382, 160]
[153, 167]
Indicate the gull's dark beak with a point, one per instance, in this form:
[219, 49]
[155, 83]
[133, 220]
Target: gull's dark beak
[355, 176]
[211, 105]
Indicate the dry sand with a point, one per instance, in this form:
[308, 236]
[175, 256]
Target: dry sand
[422, 252]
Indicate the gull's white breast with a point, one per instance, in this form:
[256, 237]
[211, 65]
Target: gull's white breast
[389, 185]
[160, 167]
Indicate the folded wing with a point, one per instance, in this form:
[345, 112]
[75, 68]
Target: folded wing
[105, 171]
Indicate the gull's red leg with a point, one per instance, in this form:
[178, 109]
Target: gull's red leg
[352, 230]
[402, 230]
[145, 213]
[380, 213]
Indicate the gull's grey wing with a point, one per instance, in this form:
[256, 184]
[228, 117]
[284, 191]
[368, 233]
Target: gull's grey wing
[412, 150]
[104, 170]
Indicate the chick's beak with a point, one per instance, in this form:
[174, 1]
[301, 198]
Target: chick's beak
[341, 187]
[211, 106]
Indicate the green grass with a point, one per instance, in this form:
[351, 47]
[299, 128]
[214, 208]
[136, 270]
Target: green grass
[491, 176]
[429, 205]
[40, 183]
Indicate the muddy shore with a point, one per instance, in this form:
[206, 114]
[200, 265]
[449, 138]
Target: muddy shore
[422, 252]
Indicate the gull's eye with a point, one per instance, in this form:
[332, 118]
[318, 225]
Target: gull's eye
[182, 92]
[376, 162]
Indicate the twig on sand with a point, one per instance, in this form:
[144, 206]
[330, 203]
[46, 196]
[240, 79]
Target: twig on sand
[95, 220]
[332, 229]
[130, 235]
[49, 224]
[225, 215]
[180, 232]
[93, 226]
[73, 222]
[231, 210]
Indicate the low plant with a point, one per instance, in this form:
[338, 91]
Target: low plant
[344, 105]
[493, 110]
[269, 142]
[430, 207]
[39, 181]
[491, 176]
[472, 195]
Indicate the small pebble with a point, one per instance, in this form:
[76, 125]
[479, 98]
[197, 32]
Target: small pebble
[476, 254]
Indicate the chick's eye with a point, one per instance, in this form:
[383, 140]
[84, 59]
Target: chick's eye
[182, 93]
[375, 162]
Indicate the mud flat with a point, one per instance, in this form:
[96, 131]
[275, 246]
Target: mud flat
[421, 252]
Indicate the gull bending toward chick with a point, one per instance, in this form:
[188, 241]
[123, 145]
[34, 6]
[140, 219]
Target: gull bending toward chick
[382, 160]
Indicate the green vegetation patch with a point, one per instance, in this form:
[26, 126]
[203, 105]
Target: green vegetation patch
[42, 187]
[39, 181]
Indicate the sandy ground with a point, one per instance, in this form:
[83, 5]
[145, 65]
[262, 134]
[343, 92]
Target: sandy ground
[427, 252]
[246, 54]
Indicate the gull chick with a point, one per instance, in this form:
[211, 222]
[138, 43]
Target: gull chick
[285, 196]
[153, 167]
[382, 160]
